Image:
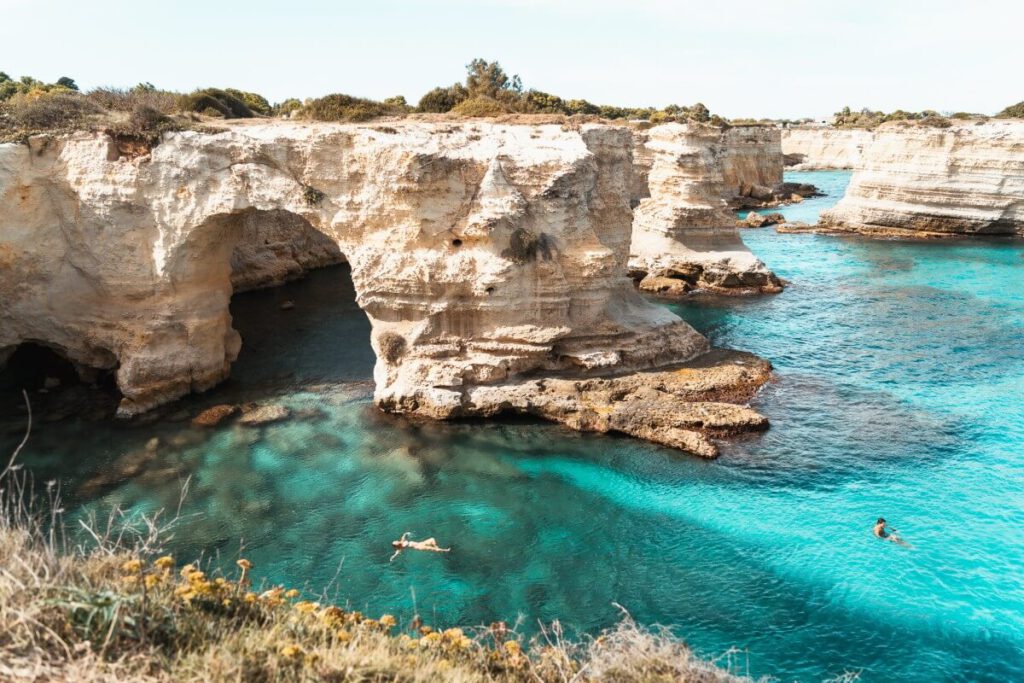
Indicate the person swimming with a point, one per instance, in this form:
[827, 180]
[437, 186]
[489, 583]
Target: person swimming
[890, 535]
[403, 543]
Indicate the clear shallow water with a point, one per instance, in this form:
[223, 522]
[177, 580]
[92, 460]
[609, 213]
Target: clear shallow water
[900, 393]
[831, 183]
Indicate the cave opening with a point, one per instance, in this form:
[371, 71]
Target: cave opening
[294, 306]
[33, 366]
[56, 385]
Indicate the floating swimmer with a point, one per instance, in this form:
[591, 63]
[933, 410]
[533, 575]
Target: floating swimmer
[403, 543]
[890, 535]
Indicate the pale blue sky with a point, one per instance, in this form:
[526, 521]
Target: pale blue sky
[739, 57]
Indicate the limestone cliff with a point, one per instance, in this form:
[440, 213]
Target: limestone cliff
[490, 259]
[921, 181]
[751, 160]
[684, 236]
[813, 148]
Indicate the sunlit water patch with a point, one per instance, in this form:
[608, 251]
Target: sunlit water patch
[899, 393]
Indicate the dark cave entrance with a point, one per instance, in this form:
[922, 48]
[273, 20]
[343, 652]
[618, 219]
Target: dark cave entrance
[33, 367]
[57, 387]
[294, 305]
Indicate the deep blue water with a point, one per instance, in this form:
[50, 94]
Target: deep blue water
[900, 393]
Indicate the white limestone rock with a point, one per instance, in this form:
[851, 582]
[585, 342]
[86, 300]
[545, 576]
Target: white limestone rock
[916, 180]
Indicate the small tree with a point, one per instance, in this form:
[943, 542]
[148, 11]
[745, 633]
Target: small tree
[67, 82]
[487, 79]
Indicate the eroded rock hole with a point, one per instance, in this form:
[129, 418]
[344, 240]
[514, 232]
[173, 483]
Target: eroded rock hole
[456, 243]
[33, 367]
[57, 386]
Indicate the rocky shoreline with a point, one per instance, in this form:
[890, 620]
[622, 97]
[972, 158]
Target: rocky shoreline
[491, 260]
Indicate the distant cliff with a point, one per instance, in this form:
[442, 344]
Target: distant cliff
[920, 181]
[684, 235]
[823, 148]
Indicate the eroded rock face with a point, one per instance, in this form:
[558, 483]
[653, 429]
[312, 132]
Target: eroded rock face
[684, 236]
[490, 259]
[819, 148]
[921, 181]
[751, 160]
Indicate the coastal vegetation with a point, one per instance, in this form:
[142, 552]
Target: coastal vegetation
[29, 106]
[869, 120]
[1014, 111]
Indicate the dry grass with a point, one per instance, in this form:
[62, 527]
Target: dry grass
[117, 609]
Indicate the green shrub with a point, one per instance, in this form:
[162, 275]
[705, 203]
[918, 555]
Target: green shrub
[51, 110]
[480, 106]
[1014, 111]
[287, 107]
[339, 107]
[257, 103]
[118, 99]
[441, 100]
[936, 121]
[221, 101]
[538, 102]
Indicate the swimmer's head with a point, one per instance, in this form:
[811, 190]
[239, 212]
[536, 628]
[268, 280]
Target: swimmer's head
[396, 544]
[881, 520]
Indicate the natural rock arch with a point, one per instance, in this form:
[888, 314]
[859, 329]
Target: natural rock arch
[488, 257]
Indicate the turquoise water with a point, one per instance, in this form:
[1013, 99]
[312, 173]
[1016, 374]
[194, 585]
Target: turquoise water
[899, 393]
[831, 183]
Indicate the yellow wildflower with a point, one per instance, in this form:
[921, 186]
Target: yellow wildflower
[307, 607]
[244, 564]
[431, 638]
[291, 593]
[463, 643]
[132, 566]
[387, 621]
[333, 616]
[226, 602]
[152, 580]
[164, 563]
[412, 643]
[343, 635]
[424, 630]
[186, 571]
[220, 581]
[196, 576]
[452, 634]
[291, 651]
[512, 647]
[250, 597]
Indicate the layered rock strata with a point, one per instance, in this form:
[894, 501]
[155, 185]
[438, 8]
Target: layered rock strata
[751, 161]
[819, 148]
[490, 259]
[684, 236]
[922, 181]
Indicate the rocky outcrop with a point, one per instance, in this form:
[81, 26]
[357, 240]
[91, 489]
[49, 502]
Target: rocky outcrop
[814, 148]
[684, 236]
[751, 161]
[922, 181]
[490, 259]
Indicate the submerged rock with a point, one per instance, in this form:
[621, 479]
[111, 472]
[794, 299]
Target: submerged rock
[759, 220]
[213, 416]
[261, 415]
